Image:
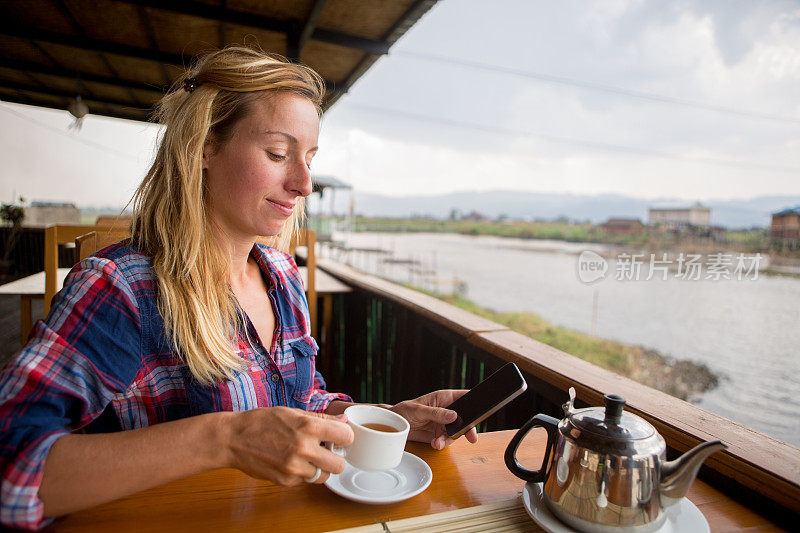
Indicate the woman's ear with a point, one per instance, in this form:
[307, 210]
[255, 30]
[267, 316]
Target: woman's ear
[208, 151]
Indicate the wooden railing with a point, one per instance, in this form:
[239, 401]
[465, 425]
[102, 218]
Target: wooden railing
[390, 343]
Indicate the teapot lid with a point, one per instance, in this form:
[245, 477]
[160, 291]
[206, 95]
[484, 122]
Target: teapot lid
[612, 422]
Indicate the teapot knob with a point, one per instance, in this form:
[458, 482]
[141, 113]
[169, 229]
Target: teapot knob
[569, 407]
[614, 405]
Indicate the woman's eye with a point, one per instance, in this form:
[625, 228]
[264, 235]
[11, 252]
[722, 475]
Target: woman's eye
[276, 157]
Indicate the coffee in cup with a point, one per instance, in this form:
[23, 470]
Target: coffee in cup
[380, 427]
[379, 438]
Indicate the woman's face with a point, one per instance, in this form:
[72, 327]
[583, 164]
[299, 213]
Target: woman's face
[254, 180]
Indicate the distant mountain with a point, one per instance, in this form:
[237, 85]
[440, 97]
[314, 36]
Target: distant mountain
[530, 205]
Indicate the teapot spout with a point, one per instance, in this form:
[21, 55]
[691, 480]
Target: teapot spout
[678, 475]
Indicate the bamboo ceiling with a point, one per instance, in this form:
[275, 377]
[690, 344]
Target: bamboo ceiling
[122, 55]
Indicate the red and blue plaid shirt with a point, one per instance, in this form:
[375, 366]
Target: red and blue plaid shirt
[101, 361]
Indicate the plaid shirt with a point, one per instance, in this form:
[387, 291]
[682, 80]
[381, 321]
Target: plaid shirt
[101, 361]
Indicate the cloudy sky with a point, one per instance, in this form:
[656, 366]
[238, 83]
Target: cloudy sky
[683, 99]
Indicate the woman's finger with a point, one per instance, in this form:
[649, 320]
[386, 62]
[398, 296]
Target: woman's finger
[317, 477]
[327, 460]
[425, 414]
[328, 428]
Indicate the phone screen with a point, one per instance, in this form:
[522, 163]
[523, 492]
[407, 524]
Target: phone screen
[485, 398]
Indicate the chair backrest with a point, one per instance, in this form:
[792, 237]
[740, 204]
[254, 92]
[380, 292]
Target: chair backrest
[89, 239]
[115, 222]
[53, 236]
[62, 234]
[86, 245]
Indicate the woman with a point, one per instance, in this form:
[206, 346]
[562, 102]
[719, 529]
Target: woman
[190, 338]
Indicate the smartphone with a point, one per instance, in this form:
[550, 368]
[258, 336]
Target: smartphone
[485, 399]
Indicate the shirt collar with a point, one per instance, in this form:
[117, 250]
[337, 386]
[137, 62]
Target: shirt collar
[266, 266]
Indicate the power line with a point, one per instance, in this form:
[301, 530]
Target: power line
[579, 142]
[105, 149]
[599, 87]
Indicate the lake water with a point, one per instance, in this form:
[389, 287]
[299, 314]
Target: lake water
[747, 331]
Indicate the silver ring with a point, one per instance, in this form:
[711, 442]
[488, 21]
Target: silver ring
[315, 477]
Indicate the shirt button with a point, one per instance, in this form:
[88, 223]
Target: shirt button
[274, 378]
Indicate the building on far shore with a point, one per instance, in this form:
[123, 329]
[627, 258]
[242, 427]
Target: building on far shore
[49, 213]
[785, 227]
[623, 226]
[474, 216]
[696, 215]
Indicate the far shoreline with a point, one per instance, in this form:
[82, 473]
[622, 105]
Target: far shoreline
[776, 265]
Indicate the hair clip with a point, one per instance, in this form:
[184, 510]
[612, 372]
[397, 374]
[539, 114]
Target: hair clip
[190, 84]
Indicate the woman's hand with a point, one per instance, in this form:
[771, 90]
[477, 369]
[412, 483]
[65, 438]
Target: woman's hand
[427, 416]
[283, 444]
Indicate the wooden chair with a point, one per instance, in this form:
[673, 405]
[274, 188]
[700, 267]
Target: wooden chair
[115, 222]
[86, 245]
[53, 237]
[89, 242]
[61, 234]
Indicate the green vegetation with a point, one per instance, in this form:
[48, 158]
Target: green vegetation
[680, 378]
[612, 355]
[698, 240]
[754, 240]
[556, 230]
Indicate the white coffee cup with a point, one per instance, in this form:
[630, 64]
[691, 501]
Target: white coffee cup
[373, 449]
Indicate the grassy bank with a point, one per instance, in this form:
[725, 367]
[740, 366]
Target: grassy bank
[750, 241]
[680, 378]
[563, 231]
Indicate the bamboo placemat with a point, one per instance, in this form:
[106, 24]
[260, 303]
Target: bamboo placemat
[508, 516]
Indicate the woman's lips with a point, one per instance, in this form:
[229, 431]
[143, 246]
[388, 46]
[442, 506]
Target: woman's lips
[285, 209]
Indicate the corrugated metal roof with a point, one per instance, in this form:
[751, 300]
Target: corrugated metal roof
[789, 211]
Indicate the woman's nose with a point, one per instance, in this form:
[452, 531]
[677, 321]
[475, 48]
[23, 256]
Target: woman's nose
[300, 181]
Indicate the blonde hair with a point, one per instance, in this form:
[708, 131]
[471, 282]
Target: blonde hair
[170, 222]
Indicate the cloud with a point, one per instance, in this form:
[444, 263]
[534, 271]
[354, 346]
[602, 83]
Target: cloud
[736, 55]
[733, 54]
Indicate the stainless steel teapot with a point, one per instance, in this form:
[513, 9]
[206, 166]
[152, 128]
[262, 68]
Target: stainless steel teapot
[605, 469]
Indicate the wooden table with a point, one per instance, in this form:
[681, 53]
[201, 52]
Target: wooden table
[464, 475]
[32, 286]
[28, 288]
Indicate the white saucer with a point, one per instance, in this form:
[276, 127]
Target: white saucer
[683, 517]
[409, 478]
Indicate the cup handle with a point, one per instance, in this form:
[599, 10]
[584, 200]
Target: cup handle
[338, 450]
[537, 476]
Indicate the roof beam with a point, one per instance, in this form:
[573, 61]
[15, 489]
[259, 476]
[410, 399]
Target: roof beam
[60, 72]
[67, 94]
[37, 68]
[223, 27]
[95, 45]
[311, 23]
[412, 14]
[370, 46]
[79, 29]
[216, 13]
[253, 20]
[30, 100]
[151, 36]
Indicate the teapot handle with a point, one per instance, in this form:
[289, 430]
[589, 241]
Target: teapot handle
[537, 476]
